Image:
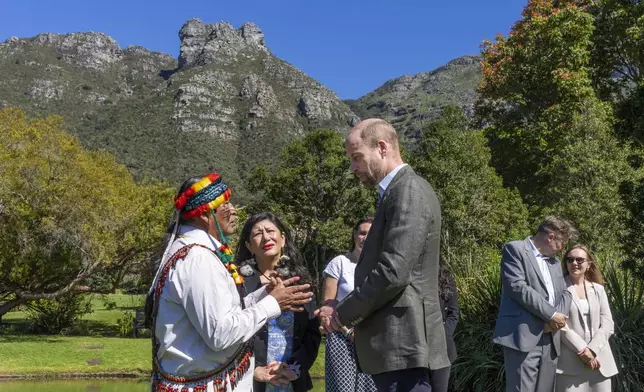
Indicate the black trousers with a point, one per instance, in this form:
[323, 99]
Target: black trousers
[408, 380]
[439, 379]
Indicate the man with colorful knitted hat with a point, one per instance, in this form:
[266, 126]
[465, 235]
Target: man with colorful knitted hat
[202, 326]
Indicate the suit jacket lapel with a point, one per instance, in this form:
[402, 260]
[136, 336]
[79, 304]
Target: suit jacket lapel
[532, 260]
[593, 305]
[555, 272]
[401, 173]
[378, 218]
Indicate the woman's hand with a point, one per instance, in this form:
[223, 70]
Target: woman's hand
[269, 374]
[594, 364]
[586, 356]
[279, 377]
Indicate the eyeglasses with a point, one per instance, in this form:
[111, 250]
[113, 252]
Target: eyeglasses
[579, 260]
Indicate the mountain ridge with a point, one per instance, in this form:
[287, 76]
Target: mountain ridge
[226, 103]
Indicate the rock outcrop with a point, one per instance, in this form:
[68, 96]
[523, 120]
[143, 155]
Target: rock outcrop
[227, 96]
[410, 102]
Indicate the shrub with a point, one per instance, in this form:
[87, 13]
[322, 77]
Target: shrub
[479, 366]
[60, 315]
[625, 289]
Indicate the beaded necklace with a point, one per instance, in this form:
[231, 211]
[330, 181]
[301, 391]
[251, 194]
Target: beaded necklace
[225, 254]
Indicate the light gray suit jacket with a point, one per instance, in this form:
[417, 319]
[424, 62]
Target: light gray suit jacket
[601, 327]
[394, 307]
[525, 310]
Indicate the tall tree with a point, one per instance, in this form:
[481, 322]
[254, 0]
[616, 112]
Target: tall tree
[551, 136]
[65, 212]
[479, 214]
[312, 188]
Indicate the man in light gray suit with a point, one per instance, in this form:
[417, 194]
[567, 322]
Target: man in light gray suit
[534, 306]
[394, 308]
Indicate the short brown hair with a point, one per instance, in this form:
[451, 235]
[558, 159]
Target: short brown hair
[559, 227]
[378, 130]
[593, 272]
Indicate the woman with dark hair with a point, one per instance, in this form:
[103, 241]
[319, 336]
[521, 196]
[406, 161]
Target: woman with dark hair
[448, 297]
[341, 372]
[586, 362]
[202, 327]
[286, 348]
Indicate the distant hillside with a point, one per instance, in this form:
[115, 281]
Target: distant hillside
[411, 101]
[226, 104]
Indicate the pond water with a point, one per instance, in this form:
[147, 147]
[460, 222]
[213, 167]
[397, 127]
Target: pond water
[93, 386]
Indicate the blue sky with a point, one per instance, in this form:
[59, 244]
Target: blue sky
[350, 46]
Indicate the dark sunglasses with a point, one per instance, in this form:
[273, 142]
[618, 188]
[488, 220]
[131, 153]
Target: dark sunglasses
[579, 260]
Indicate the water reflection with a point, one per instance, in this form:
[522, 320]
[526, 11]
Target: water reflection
[93, 386]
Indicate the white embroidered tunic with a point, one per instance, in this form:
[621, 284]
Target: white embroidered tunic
[200, 323]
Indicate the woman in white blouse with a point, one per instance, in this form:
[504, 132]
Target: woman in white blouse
[341, 374]
[586, 362]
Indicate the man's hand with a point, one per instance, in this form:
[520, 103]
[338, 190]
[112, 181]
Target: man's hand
[327, 315]
[290, 298]
[557, 322]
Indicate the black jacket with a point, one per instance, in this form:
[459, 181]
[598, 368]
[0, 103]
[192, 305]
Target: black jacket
[306, 341]
[450, 313]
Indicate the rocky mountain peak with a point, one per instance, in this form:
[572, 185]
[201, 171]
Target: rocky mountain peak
[410, 102]
[89, 50]
[203, 44]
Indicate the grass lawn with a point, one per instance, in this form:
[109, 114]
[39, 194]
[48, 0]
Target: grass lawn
[36, 354]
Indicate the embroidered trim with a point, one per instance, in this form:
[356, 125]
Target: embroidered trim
[234, 369]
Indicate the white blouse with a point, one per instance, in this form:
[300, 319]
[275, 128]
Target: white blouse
[200, 322]
[342, 269]
[584, 308]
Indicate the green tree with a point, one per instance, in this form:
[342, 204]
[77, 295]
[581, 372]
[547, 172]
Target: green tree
[479, 215]
[551, 136]
[65, 213]
[313, 190]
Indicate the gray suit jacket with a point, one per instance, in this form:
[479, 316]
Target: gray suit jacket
[395, 307]
[525, 310]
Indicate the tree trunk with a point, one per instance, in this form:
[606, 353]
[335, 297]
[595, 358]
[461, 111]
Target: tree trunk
[4, 308]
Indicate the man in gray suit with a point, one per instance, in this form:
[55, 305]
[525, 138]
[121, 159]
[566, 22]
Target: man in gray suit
[394, 308]
[534, 306]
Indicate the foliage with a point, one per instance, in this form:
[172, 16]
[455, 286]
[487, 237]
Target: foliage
[313, 190]
[59, 315]
[551, 136]
[625, 288]
[478, 213]
[125, 324]
[479, 366]
[66, 212]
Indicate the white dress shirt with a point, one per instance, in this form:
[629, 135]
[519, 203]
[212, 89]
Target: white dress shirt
[200, 322]
[545, 273]
[384, 183]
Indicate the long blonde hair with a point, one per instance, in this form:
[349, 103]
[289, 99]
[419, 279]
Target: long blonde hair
[593, 273]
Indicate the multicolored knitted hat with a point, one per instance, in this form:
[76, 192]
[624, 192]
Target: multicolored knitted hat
[204, 195]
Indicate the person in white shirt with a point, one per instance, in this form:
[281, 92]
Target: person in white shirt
[201, 326]
[341, 371]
